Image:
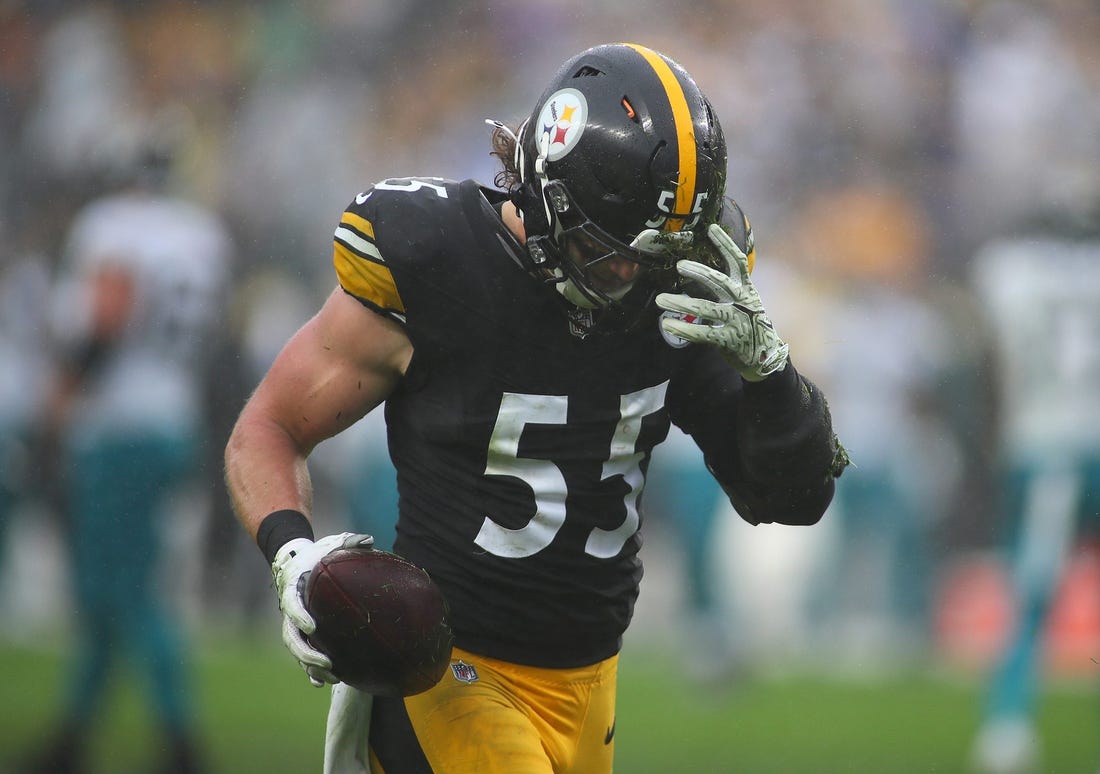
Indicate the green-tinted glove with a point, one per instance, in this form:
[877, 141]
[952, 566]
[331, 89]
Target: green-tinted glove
[732, 318]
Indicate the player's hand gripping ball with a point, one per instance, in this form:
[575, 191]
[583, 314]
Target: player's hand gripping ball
[382, 621]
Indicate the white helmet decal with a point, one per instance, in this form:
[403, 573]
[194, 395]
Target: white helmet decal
[561, 123]
[672, 340]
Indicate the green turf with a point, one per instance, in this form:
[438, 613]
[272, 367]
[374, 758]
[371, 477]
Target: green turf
[260, 715]
[904, 723]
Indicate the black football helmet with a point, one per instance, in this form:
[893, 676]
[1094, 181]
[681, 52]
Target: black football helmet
[621, 142]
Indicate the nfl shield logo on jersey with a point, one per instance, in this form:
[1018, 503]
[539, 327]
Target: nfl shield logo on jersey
[580, 322]
[463, 672]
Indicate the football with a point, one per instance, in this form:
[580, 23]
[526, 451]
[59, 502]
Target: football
[381, 620]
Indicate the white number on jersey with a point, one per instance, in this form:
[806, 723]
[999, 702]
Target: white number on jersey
[546, 480]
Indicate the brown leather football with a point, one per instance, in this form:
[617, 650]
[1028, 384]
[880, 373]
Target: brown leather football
[381, 619]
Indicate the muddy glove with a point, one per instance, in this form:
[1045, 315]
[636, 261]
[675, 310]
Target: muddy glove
[728, 310]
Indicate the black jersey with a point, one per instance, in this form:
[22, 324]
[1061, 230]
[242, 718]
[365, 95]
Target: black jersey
[521, 447]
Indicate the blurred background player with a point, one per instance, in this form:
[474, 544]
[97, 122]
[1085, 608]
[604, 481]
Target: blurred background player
[24, 294]
[1026, 122]
[883, 353]
[683, 501]
[138, 304]
[358, 464]
[1043, 295]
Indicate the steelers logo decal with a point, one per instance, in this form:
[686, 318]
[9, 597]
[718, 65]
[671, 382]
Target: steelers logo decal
[561, 123]
[675, 341]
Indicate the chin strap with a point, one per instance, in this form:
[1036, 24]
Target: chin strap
[537, 188]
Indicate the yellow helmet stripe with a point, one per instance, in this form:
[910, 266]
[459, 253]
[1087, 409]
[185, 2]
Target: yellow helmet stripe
[685, 133]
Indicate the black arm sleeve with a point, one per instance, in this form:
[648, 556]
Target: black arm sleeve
[769, 444]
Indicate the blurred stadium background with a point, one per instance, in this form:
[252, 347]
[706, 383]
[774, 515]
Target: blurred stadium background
[877, 148]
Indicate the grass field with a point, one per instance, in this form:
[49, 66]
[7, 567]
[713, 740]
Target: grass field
[260, 715]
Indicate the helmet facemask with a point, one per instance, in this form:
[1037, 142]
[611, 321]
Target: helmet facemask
[580, 254]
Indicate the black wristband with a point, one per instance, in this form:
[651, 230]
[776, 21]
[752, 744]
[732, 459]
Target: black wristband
[279, 528]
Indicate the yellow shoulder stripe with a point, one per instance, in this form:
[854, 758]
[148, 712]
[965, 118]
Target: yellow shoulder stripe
[364, 278]
[359, 223]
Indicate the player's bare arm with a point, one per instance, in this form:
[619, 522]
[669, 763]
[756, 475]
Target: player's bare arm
[340, 365]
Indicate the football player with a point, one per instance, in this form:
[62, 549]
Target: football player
[531, 346]
[138, 299]
[1051, 457]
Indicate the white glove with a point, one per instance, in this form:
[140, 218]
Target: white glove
[735, 321]
[292, 564]
[347, 731]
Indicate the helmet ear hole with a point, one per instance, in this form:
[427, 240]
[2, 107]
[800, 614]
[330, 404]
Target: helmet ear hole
[657, 148]
[587, 71]
[633, 116]
[713, 141]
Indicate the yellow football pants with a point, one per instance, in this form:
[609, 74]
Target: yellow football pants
[495, 717]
